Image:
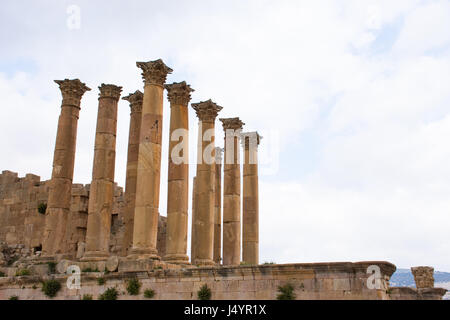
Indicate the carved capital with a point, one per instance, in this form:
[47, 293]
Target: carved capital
[423, 277]
[232, 123]
[72, 91]
[135, 99]
[154, 72]
[207, 110]
[109, 91]
[250, 139]
[179, 93]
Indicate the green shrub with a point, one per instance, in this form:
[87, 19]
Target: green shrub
[2, 274]
[14, 298]
[268, 263]
[51, 267]
[90, 270]
[133, 287]
[34, 287]
[87, 297]
[42, 208]
[109, 294]
[51, 288]
[204, 293]
[23, 272]
[101, 281]
[149, 293]
[286, 292]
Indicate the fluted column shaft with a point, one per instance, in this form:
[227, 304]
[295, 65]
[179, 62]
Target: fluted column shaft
[203, 240]
[101, 193]
[250, 215]
[135, 100]
[59, 198]
[232, 193]
[178, 174]
[146, 212]
[218, 208]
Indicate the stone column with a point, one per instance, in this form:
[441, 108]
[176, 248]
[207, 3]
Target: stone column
[218, 208]
[179, 95]
[203, 240]
[250, 214]
[146, 212]
[194, 217]
[232, 192]
[59, 198]
[101, 192]
[135, 100]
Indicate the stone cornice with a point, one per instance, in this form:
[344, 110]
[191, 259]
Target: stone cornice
[72, 91]
[246, 137]
[109, 91]
[232, 123]
[179, 93]
[135, 99]
[206, 110]
[154, 72]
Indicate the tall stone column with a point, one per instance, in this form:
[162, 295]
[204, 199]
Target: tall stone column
[194, 218]
[203, 240]
[101, 192]
[146, 212]
[135, 99]
[232, 192]
[59, 198]
[179, 95]
[218, 207]
[250, 215]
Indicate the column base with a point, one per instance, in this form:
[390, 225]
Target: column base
[177, 258]
[95, 256]
[204, 262]
[143, 254]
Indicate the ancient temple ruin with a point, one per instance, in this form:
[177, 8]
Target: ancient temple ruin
[99, 227]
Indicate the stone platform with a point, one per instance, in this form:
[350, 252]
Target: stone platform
[336, 281]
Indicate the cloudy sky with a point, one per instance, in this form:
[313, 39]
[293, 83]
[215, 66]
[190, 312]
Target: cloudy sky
[352, 98]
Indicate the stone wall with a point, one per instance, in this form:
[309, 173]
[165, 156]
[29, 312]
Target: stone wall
[22, 226]
[336, 281]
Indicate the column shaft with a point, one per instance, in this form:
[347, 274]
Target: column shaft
[101, 193]
[218, 208]
[178, 174]
[59, 198]
[135, 100]
[232, 193]
[146, 212]
[250, 229]
[204, 216]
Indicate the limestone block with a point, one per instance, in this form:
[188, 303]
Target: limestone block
[112, 263]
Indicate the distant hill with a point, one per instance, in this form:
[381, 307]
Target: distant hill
[404, 278]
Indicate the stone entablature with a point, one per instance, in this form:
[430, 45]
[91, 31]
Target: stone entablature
[319, 281]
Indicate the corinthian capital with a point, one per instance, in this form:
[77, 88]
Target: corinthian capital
[179, 93]
[135, 99]
[232, 123]
[72, 91]
[250, 139]
[154, 72]
[109, 91]
[207, 110]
